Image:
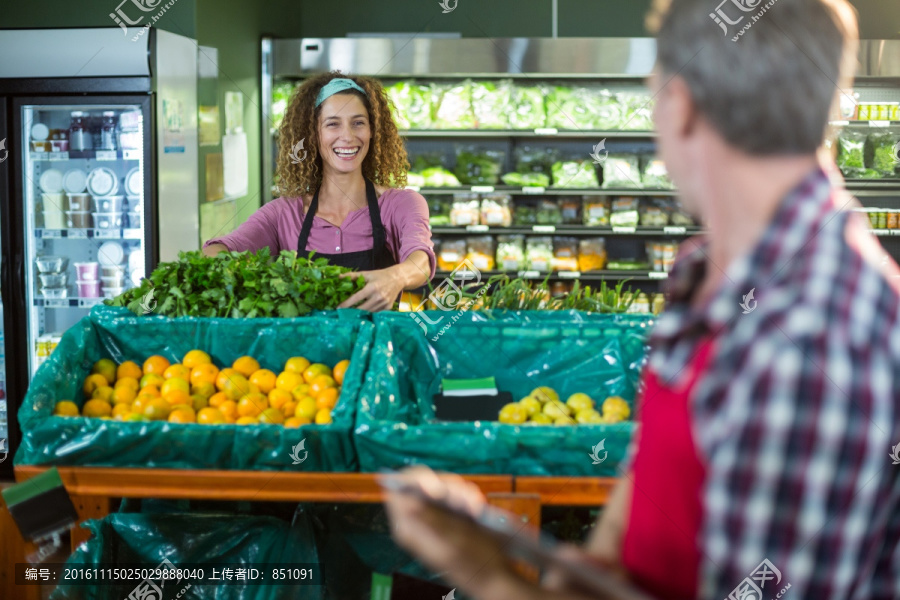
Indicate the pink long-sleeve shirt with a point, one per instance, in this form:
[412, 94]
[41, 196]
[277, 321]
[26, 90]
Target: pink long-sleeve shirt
[277, 224]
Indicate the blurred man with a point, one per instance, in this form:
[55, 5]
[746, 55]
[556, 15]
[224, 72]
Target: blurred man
[771, 398]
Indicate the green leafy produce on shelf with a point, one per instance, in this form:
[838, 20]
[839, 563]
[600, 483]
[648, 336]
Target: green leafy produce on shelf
[453, 106]
[851, 153]
[241, 285]
[627, 265]
[655, 174]
[531, 159]
[415, 179]
[478, 167]
[637, 111]
[520, 294]
[607, 110]
[281, 96]
[572, 108]
[439, 177]
[528, 111]
[575, 174]
[413, 102]
[426, 160]
[883, 148]
[526, 179]
[491, 103]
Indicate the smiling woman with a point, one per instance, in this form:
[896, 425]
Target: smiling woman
[342, 171]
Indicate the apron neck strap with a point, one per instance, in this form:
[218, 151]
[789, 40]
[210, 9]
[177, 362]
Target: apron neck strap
[379, 237]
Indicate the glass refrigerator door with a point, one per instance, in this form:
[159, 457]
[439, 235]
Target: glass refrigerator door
[83, 194]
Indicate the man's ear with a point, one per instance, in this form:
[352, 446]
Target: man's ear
[679, 108]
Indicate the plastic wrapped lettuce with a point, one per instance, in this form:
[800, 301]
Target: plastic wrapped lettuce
[528, 110]
[439, 177]
[654, 174]
[491, 103]
[475, 166]
[883, 148]
[621, 171]
[526, 179]
[575, 174]
[413, 103]
[851, 153]
[453, 106]
[637, 110]
[607, 110]
[578, 108]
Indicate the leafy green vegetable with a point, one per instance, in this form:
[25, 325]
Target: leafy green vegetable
[478, 167]
[519, 294]
[453, 106]
[414, 104]
[241, 285]
[569, 108]
[851, 153]
[526, 179]
[637, 110]
[439, 177]
[575, 174]
[528, 110]
[491, 104]
[883, 148]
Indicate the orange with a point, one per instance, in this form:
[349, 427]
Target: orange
[120, 410]
[289, 408]
[65, 408]
[205, 373]
[264, 379]
[129, 368]
[287, 381]
[210, 416]
[150, 390]
[140, 402]
[313, 370]
[223, 376]
[271, 416]
[123, 395]
[182, 414]
[128, 382]
[217, 399]
[327, 398]
[177, 370]
[92, 382]
[246, 366]
[296, 364]
[252, 405]
[229, 410]
[107, 368]
[104, 392]
[247, 421]
[175, 383]
[174, 397]
[96, 408]
[278, 398]
[152, 379]
[195, 358]
[294, 422]
[339, 370]
[323, 417]
[198, 402]
[320, 383]
[205, 389]
[237, 386]
[306, 408]
[156, 364]
[157, 409]
[300, 391]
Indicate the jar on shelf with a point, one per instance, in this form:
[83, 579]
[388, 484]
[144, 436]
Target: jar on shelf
[79, 134]
[108, 131]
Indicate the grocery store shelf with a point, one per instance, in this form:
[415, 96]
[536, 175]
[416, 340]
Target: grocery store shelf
[80, 233]
[67, 302]
[526, 133]
[873, 187]
[550, 191]
[865, 124]
[635, 275]
[89, 155]
[577, 230]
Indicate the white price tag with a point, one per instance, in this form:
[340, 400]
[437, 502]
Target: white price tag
[478, 228]
[529, 274]
[131, 234]
[107, 234]
[89, 302]
[879, 123]
[54, 303]
[482, 189]
[133, 154]
[106, 155]
[658, 275]
[543, 228]
[882, 232]
[674, 229]
[78, 233]
[569, 274]
[546, 131]
[840, 123]
[533, 190]
[58, 156]
[624, 229]
[51, 234]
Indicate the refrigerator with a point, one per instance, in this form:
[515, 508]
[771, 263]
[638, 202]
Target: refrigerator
[98, 182]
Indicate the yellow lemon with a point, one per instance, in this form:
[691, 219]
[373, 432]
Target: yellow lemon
[96, 408]
[65, 408]
[323, 417]
[296, 364]
[107, 368]
[195, 358]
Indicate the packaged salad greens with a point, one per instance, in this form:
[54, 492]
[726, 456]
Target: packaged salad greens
[496, 210]
[480, 250]
[607, 111]
[851, 153]
[624, 212]
[883, 149]
[476, 166]
[491, 103]
[439, 210]
[525, 214]
[413, 103]
[510, 252]
[621, 171]
[565, 254]
[548, 213]
[528, 110]
[654, 173]
[426, 160]
[591, 254]
[415, 179]
[539, 253]
[526, 179]
[451, 253]
[595, 211]
[438, 177]
[654, 212]
[637, 111]
[465, 210]
[570, 108]
[535, 159]
[453, 106]
[574, 174]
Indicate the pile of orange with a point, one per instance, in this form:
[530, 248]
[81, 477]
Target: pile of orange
[197, 391]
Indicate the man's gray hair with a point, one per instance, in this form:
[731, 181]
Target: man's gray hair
[765, 73]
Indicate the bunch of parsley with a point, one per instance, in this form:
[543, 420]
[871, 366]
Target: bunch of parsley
[240, 285]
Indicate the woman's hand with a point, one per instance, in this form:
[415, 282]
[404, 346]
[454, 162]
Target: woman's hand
[381, 290]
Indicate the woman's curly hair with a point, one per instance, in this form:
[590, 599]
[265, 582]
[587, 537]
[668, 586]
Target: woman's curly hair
[386, 162]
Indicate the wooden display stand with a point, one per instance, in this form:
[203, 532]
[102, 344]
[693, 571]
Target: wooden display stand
[93, 489]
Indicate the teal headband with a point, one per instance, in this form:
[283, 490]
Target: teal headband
[336, 86]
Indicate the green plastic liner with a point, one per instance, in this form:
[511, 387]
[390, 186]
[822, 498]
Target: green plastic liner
[111, 333]
[600, 355]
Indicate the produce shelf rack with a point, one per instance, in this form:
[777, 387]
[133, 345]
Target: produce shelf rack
[93, 490]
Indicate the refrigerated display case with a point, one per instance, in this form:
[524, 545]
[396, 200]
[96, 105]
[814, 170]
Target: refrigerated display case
[100, 182]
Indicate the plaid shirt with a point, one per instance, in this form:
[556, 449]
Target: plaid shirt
[799, 409]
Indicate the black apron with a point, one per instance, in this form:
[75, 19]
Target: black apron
[379, 257]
